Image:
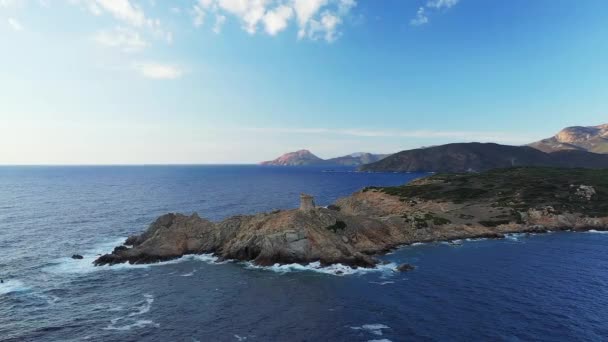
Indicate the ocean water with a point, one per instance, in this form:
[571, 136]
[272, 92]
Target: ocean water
[551, 287]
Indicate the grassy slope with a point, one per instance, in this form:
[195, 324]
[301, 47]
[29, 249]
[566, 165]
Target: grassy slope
[515, 188]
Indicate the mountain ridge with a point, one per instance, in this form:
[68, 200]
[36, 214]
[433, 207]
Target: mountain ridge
[306, 158]
[583, 138]
[479, 157]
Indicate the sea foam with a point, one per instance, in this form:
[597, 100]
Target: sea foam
[12, 285]
[131, 321]
[67, 265]
[335, 269]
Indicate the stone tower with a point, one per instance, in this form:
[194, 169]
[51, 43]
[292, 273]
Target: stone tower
[307, 202]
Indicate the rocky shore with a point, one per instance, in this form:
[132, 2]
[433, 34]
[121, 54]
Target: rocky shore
[375, 220]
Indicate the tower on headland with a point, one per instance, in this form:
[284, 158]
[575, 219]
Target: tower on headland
[307, 202]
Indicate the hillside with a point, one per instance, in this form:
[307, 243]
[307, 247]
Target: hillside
[478, 157]
[306, 158]
[590, 139]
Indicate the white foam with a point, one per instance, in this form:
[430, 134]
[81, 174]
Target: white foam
[515, 236]
[12, 285]
[418, 244]
[382, 340]
[189, 274]
[475, 239]
[598, 231]
[142, 323]
[145, 307]
[382, 282]
[335, 269]
[240, 338]
[129, 322]
[375, 329]
[67, 265]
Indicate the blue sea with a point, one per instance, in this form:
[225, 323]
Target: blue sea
[551, 287]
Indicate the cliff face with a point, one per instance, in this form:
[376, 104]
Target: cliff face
[479, 157]
[591, 139]
[374, 220]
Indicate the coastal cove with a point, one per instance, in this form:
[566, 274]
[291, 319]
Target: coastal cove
[514, 288]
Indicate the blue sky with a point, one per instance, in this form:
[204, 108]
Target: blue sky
[239, 81]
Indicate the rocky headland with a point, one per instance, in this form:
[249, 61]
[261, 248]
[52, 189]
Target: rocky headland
[352, 231]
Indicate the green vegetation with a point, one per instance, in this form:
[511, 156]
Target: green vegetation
[516, 189]
[494, 223]
[422, 221]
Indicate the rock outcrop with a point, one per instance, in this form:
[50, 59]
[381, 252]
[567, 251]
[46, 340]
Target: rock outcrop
[375, 220]
[590, 139]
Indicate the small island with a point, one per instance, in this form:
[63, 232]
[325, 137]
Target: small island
[441, 207]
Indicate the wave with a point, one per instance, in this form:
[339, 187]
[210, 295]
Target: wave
[375, 329]
[515, 236]
[381, 282]
[597, 231]
[189, 274]
[67, 265]
[12, 285]
[335, 269]
[128, 322]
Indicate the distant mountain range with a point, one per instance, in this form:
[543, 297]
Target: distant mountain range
[585, 147]
[590, 139]
[306, 158]
[478, 157]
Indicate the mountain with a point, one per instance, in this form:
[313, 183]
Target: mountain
[297, 158]
[305, 157]
[355, 159]
[590, 139]
[478, 157]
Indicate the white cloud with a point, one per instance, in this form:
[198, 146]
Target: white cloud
[315, 19]
[441, 3]
[15, 24]
[11, 3]
[199, 15]
[276, 20]
[420, 18]
[219, 23]
[158, 71]
[123, 10]
[324, 28]
[125, 39]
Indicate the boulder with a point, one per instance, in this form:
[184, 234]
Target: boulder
[405, 267]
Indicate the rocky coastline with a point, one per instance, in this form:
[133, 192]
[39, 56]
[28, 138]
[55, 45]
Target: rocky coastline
[357, 228]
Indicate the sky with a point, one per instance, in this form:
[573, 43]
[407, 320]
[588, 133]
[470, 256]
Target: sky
[241, 81]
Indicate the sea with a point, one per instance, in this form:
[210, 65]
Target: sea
[550, 287]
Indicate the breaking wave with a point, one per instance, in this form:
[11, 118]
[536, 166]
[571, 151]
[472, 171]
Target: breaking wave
[67, 265]
[375, 329]
[336, 269]
[12, 285]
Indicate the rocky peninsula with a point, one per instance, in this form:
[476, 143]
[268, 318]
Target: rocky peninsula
[352, 231]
